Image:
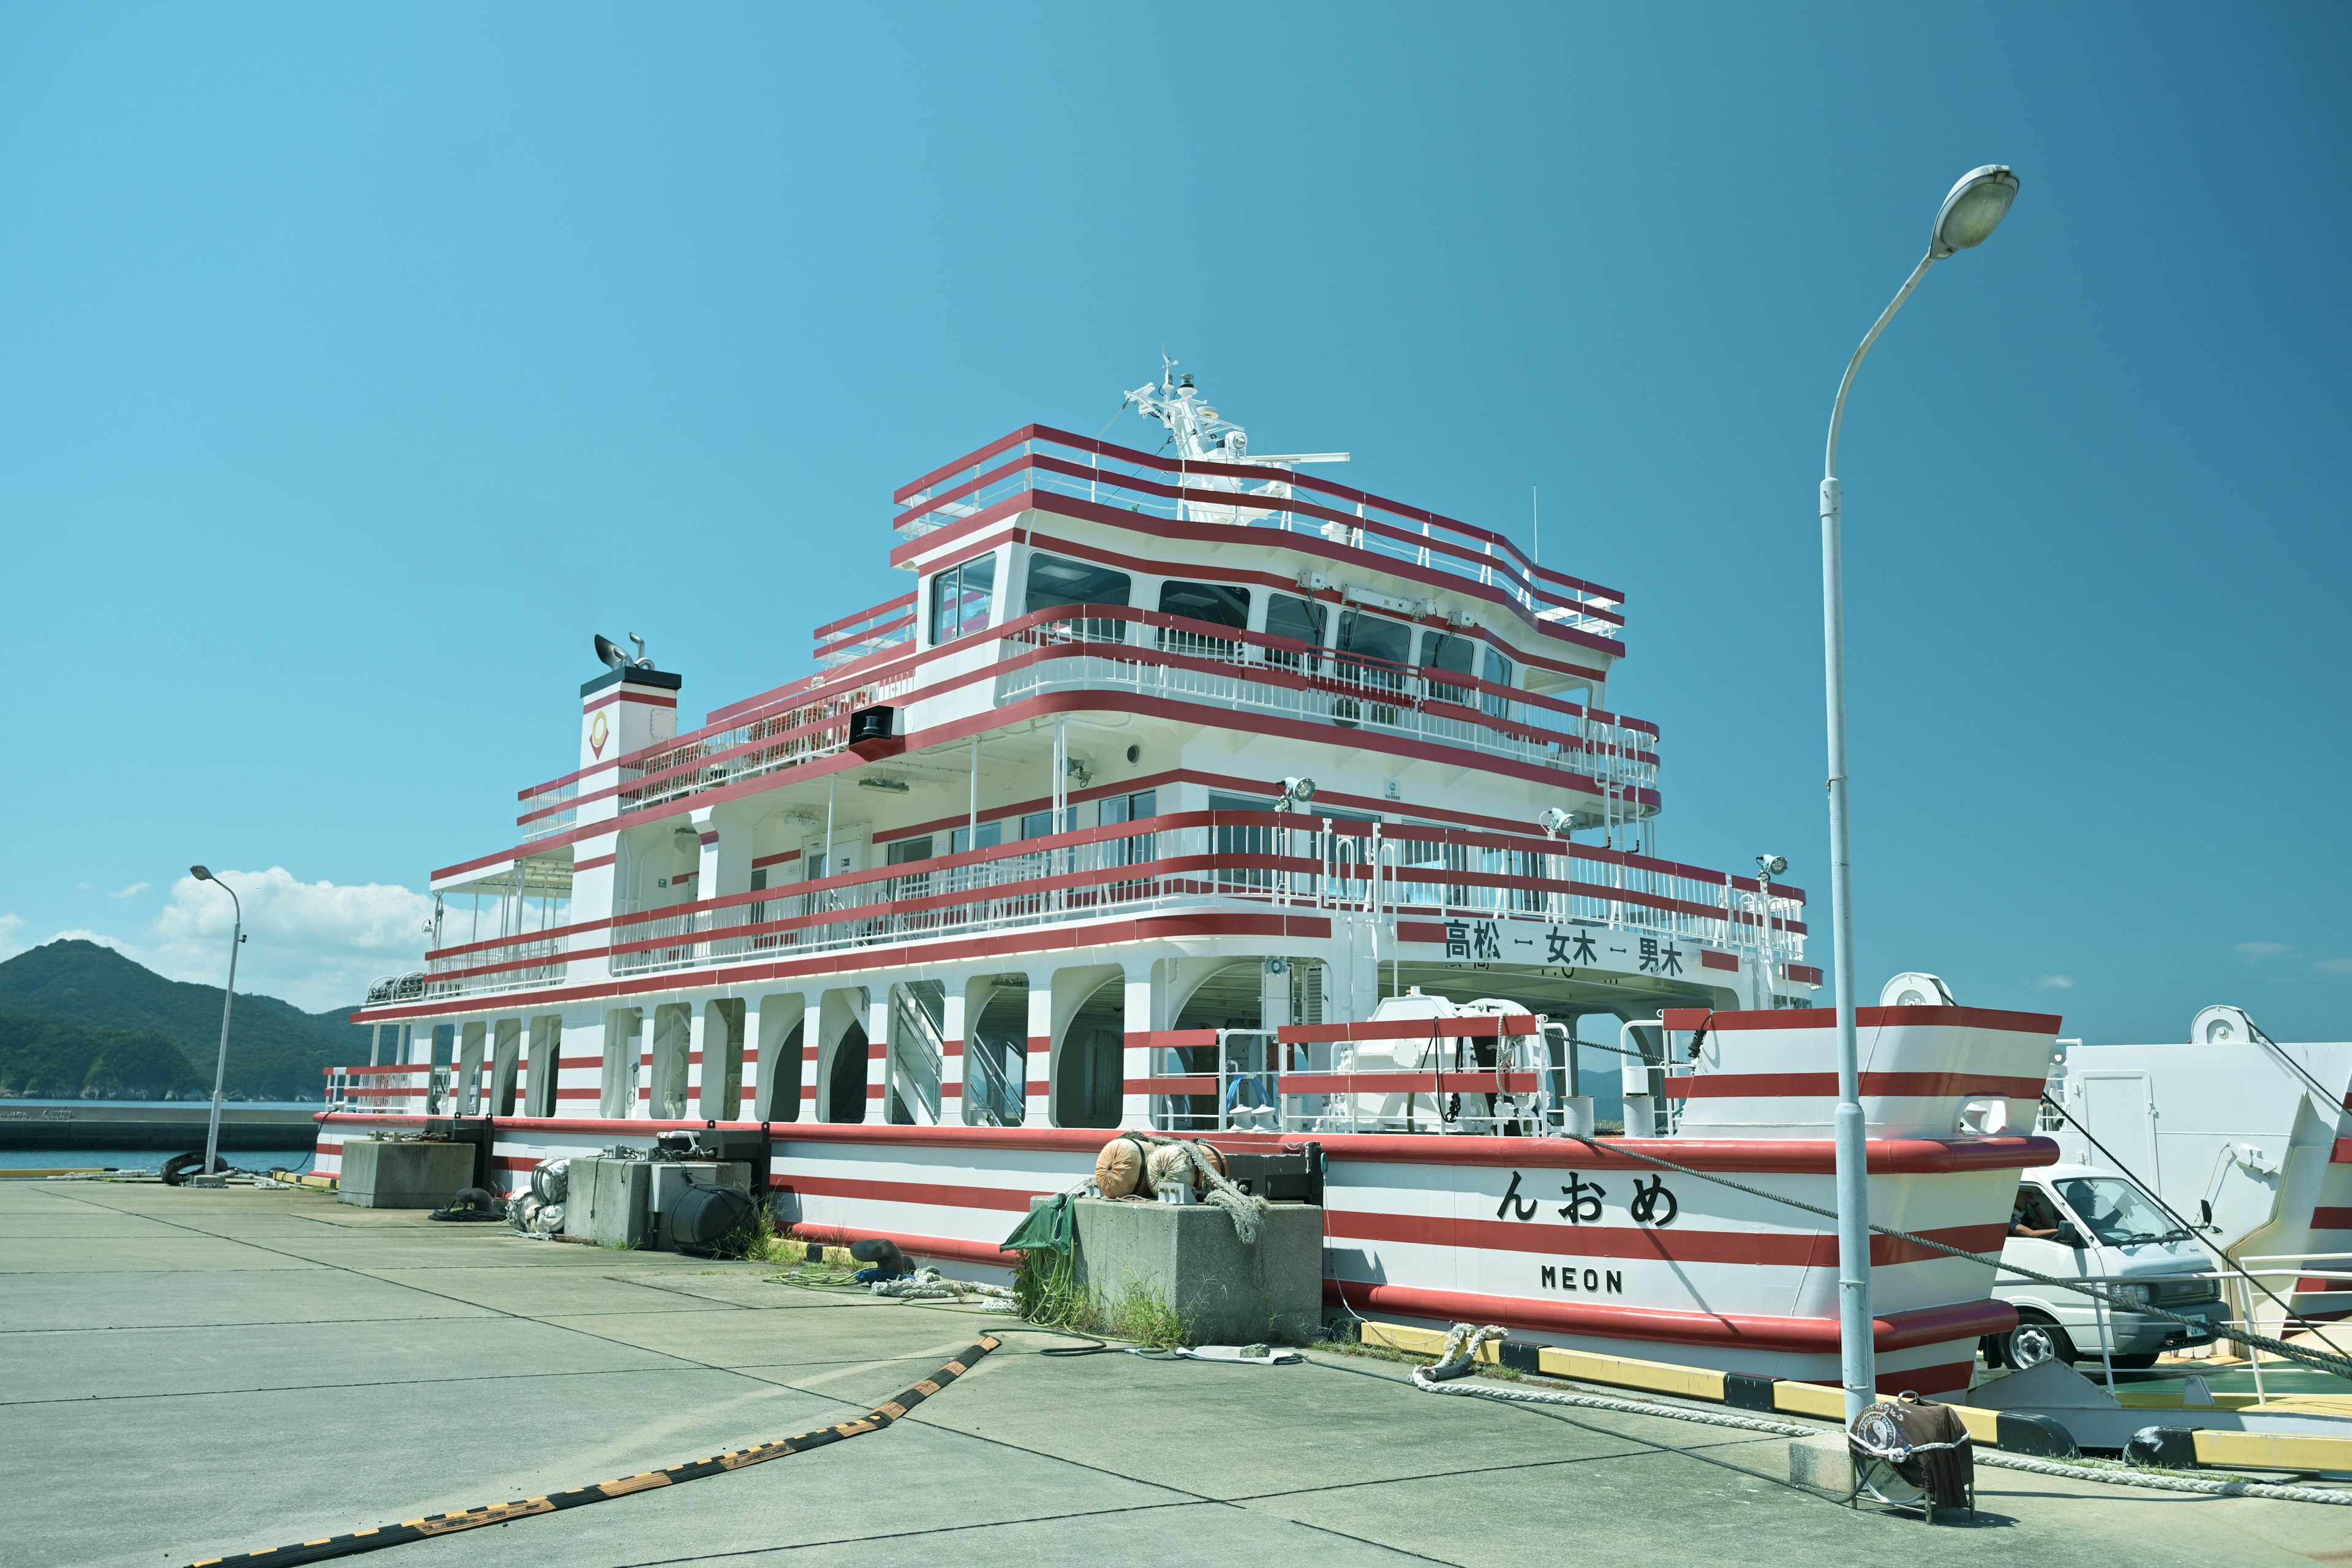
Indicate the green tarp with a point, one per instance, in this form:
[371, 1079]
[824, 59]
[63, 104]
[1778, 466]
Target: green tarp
[1045, 1228]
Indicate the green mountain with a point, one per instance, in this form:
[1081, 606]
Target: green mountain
[276, 1050]
[42, 1060]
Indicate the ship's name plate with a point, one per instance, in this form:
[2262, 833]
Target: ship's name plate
[1584, 1281]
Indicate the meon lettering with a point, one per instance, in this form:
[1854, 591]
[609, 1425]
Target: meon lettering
[1587, 1281]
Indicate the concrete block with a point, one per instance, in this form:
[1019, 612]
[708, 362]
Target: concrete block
[1188, 1254]
[608, 1200]
[408, 1175]
[1822, 1461]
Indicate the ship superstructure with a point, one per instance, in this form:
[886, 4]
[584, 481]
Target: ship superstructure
[1188, 791]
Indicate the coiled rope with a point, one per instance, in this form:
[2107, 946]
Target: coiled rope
[1449, 1373]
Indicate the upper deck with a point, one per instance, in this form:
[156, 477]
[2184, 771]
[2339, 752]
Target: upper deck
[1096, 638]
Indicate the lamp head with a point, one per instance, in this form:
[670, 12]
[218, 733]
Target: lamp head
[201, 873]
[1554, 821]
[1771, 865]
[1973, 209]
[1297, 790]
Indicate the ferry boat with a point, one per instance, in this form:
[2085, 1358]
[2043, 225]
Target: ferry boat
[1192, 791]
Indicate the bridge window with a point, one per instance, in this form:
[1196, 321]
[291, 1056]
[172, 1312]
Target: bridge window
[1498, 673]
[1374, 649]
[1218, 603]
[1054, 582]
[1299, 620]
[960, 599]
[1457, 655]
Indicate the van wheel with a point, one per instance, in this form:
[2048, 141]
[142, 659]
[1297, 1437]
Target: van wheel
[2035, 1341]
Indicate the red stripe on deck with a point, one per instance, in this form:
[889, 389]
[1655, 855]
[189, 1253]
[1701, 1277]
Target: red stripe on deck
[1890, 1330]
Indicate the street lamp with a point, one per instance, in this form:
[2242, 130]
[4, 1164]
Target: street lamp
[228, 998]
[1972, 210]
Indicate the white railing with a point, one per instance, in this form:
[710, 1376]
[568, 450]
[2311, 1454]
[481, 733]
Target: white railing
[1558, 897]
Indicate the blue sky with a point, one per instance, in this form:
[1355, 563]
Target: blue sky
[356, 363]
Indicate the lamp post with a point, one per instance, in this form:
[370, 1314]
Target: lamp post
[1972, 211]
[228, 999]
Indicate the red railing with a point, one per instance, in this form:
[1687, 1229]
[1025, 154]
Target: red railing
[1038, 457]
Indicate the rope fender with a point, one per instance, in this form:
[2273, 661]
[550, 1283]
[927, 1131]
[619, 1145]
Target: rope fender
[425, 1529]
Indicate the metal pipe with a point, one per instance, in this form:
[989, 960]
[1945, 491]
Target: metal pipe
[1858, 1355]
[228, 1000]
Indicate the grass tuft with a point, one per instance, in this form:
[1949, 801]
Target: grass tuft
[1045, 1290]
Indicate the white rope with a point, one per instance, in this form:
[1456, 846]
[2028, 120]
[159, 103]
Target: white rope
[927, 1285]
[1462, 1345]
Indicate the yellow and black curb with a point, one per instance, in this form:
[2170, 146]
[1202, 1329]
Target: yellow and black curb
[2037, 1437]
[425, 1529]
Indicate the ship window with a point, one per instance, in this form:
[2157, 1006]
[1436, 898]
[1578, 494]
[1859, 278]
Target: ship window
[1219, 603]
[905, 849]
[1498, 673]
[991, 833]
[960, 599]
[1142, 805]
[1442, 650]
[1054, 582]
[1040, 824]
[1373, 648]
[1131, 807]
[1300, 620]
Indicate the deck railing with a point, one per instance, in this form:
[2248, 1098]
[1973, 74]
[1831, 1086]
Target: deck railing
[1116, 649]
[1039, 458]
[1112, 648]
[1192, 861]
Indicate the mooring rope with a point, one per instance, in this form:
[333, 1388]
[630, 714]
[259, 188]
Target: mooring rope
[1448, 1376]
[425, 1529]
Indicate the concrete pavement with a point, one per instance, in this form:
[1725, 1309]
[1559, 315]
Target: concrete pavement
[192, 1373]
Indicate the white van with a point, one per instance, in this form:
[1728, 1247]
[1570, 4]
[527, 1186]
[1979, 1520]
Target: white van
[2100, 1227]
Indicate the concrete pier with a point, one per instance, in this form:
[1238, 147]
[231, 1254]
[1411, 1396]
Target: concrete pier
[174, 1125]
[189, 1373]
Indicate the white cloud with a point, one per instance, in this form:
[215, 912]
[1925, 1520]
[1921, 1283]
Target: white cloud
[132, 891]
[2054, 982]
[316, 945]
[2333, 966]
[9, 926]
[2259, 950]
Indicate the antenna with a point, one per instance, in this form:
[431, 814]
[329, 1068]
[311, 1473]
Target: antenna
[1535, 513]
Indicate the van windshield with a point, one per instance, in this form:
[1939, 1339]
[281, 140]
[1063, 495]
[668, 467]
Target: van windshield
[2115, 1212]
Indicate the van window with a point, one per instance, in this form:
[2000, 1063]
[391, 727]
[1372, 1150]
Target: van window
[960, 599]
[2115, 1212]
